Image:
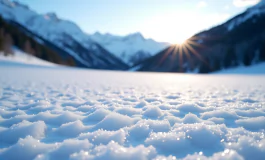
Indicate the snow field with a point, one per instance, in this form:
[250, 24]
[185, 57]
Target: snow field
[86, 114]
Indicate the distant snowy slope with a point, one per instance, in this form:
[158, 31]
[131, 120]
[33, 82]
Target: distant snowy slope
[20, 57]
[254, 69]
[255, 10]
[131, 48]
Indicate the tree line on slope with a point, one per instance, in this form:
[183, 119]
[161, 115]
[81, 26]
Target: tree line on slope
[244, 45]
[232, 60]
[11, 35]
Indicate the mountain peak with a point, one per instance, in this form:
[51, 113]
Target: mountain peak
[51, 16]
[136, 34]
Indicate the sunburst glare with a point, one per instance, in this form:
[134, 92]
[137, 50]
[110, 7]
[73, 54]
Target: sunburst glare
[183, 51]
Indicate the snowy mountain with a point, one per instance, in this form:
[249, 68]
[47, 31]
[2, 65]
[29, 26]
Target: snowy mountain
[132, 48]
[239, 41]
[94, 51]
[258, 9]
[65, 35]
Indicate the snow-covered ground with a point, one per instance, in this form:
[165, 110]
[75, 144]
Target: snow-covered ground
[49, 113]
[253, 69]
[20, 58]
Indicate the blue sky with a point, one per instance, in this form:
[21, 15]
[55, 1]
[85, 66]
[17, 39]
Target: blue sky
[162, 20]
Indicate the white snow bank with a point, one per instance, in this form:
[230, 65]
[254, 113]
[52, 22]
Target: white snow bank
[114, 121]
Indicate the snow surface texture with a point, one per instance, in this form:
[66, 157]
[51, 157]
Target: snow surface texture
[85, 114]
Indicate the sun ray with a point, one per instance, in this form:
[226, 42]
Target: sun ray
[174, 55]
[180, 56]
[166, 55]
[196, 53]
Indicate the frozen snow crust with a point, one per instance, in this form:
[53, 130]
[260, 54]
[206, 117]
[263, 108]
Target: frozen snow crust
[85, 114]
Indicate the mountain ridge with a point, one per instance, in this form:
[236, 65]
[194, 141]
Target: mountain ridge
[51, 27]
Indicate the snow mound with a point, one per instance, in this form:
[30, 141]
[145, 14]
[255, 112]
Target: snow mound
[23, 129]
[26, 149]
[187, 138]
[65, 149]
[128, 111]
[249, 148]
[71, 129]
[219, 114]
[97, 116]
[192, 118]
[153, 112]
[104, 137]
[139, 132]
[226, 154]
[67, 117]
[119, 120]
[192, 108]
[256, 123]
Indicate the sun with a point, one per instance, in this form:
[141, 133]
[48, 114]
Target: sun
[180, 40]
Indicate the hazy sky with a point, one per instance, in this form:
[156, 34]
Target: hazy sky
[162, 20]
